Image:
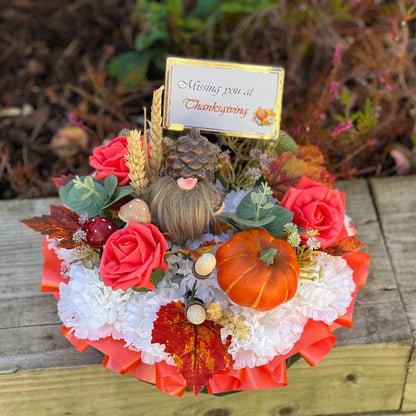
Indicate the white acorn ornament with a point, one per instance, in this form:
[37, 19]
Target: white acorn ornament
[204, 266]
[136, 210]
[195, 312]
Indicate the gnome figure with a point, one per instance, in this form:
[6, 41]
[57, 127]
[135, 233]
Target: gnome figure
[185, 200]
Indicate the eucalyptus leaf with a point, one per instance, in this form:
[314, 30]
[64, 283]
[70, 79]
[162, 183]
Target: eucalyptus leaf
[247, 208]
[241, 224]
[110, 184]
[230, 221]
[282, 217]
[255, 197]
[84, 194]
[119, 192]
[92, 205]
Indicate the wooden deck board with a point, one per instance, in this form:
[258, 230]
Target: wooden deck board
[350, 379]
[367, 371]
[395, 199]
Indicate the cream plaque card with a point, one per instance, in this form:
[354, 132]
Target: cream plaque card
[230, 98]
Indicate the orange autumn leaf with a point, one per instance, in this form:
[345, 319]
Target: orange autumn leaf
[345, 246]
[196, 349]
[221, 227]
[311, 154]
[205, 247]
[285, 171]
[60, 224]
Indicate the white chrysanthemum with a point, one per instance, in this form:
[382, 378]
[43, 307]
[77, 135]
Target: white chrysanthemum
[89, 307]
[271, 333]
[194, 244]
[329, 296]
[137, 322]
[94, 310]
[67, 255]
[348, 225]
[233, 199]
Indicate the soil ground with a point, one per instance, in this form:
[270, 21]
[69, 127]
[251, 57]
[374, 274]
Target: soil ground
[46, 48]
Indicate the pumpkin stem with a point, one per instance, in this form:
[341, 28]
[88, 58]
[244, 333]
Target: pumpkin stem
[268, 256]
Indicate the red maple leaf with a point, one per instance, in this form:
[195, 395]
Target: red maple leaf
[60, 224]
[285, 171]
[197, 349]
[345, 246]
[62, 180]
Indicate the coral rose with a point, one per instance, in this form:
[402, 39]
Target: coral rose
[130, 256]
[110, 159]
[317, 207]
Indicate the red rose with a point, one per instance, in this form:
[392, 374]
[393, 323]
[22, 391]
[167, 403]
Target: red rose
[130, 256]
[110, 159]
[317, 207]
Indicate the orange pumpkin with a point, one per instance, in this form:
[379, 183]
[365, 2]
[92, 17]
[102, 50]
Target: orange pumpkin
[248, 278]
[261, 113]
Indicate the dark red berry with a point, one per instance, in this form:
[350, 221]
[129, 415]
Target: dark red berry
[99, 230]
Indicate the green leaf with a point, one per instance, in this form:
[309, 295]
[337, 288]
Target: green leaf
[156, 277]
[286, 144]
[110, 184]
[247, 208]
[204, 9]
[129, 66]
[255, 197]
[243, 224]
[119, 192]
[144, 41]
[84, 194]
[282, 217]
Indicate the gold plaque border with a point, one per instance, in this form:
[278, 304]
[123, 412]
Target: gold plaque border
[171, 61]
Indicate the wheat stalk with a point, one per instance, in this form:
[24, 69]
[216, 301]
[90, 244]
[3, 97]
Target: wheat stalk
[156, 133]
[136, 162]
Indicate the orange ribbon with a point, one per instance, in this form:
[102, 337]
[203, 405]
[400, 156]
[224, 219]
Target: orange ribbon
[314, 344]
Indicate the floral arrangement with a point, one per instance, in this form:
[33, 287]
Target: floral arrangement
[187, 273]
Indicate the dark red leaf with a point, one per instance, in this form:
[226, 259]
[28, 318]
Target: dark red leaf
[62, 180]
[60, 224]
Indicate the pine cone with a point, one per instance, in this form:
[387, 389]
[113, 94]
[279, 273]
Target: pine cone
[192, 156]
